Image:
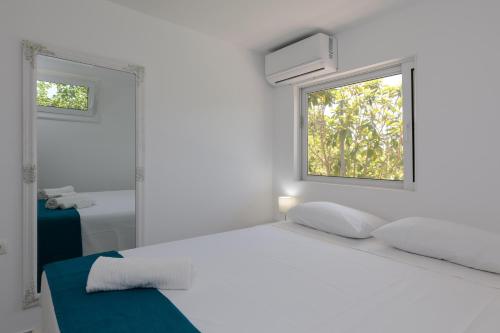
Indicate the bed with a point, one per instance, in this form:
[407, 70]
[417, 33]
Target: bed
[110, 223]
[284, 277]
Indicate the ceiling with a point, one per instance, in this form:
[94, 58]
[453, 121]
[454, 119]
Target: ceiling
[263, 25]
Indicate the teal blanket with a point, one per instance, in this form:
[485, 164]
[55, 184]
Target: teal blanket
[126, 311]
[59, 235]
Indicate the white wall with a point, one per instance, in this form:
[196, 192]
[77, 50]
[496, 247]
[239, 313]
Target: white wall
[208, 124]
[91, 156]
[457, 112]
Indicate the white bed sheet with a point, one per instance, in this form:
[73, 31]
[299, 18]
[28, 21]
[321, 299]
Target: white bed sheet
[110, 223]
[288, 278]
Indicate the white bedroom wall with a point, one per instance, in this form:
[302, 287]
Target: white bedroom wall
[208, 124]
[457, 113]
[91, 156]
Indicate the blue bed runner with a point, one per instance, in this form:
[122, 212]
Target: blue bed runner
[59, 235]
[126, 311]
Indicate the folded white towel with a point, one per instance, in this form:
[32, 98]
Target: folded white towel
[79, 201]
[48, 193]
[132, 272]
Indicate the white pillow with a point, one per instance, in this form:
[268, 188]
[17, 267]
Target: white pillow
[446, 240]
[336, 219]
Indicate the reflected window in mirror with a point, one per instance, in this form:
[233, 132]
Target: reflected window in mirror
[65, 97]
[58, 95]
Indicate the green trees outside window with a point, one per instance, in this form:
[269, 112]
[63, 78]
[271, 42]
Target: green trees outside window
[61, 95]
[356, 130]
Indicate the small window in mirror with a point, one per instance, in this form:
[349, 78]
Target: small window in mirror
[60, 97]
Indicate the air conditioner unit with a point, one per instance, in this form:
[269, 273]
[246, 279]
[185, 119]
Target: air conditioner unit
[311, 57]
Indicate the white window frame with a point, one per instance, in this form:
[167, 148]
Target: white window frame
[50, 112]
[407, 69]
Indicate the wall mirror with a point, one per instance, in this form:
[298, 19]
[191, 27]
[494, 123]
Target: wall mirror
[82, 158]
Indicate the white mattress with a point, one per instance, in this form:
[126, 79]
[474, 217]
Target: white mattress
[110, 223]
[288, 278]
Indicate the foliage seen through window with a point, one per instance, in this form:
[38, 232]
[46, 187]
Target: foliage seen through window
[356, 130]
[63, 96]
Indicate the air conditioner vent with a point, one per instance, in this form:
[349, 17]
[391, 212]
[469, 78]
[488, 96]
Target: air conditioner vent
[301, 75]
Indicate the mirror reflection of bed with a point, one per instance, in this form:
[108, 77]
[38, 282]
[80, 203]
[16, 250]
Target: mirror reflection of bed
[86, 160]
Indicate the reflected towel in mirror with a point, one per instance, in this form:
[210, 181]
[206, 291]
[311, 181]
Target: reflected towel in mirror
[48, 193]
[78, 201]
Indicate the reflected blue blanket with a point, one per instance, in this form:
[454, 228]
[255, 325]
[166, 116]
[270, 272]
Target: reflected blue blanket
[59, 235]
[127, 311]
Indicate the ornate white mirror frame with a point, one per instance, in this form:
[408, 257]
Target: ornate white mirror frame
[30, 50]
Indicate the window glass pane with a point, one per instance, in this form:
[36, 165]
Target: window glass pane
[357, 130]
[61, 95]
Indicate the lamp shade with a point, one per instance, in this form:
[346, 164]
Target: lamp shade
[285, 203]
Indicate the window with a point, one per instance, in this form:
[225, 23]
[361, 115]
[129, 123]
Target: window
[62, 96]
[67, 98]
[358, 130]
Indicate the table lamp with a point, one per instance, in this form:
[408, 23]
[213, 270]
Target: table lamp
[285, 203]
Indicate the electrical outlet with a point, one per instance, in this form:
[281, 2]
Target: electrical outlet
[3, 247]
